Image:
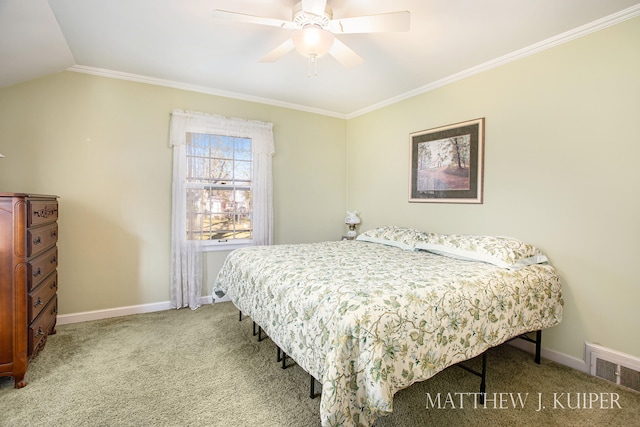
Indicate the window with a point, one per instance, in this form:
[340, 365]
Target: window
[222, 187]
[219, 188]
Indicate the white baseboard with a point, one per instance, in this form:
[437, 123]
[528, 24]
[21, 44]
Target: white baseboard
[86, 316]
[218, 299]
[554, 356]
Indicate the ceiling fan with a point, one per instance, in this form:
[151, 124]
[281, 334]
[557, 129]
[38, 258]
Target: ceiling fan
[315, 30]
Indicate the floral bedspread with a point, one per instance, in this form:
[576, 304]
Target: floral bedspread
[367, 320]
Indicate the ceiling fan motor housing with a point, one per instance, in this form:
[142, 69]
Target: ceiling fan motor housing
[304, 19]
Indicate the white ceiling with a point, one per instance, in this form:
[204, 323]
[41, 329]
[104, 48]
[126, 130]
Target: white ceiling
[177, 42]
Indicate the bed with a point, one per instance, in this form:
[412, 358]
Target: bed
[371, 316]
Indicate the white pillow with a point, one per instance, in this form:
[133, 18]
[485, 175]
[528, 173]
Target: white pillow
[504, 252]
[401, 237]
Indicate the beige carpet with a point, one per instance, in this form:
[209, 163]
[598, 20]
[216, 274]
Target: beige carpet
[204, 368]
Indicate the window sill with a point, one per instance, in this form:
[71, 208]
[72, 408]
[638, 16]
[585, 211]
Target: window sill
[227, 246]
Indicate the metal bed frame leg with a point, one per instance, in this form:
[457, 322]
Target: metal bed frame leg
[483, 378]
[482, 374]
[312, 388]
[537, 341]
[282, 357]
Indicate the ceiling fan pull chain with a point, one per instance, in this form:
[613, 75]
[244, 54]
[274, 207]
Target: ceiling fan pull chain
[314, 62]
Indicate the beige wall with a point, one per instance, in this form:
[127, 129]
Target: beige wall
[102, 145]
[561, 153]
[560, 172]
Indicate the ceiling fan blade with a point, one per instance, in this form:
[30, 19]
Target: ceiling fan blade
[383, 23]
[315, 7]
[344, 55]
[278, 52]
[250, 19]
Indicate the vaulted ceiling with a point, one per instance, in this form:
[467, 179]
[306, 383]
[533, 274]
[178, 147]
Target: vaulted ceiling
[179, 43]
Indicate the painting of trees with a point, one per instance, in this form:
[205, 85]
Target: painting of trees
[443, 164]
[447, 163]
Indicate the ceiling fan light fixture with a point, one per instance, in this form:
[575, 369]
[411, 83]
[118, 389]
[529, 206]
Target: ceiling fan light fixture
[315, 27]
[312, 41]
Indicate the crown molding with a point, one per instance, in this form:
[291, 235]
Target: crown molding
[607, 21]
[562, 38]
[102, 72]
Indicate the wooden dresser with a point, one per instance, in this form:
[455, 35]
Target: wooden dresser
[28, 279]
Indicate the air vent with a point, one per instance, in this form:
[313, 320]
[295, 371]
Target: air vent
[614, 366]
[630, 378]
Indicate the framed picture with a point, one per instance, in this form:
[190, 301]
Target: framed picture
[447, 163]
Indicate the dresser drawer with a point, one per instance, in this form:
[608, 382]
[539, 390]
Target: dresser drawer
[40, 328]
[41, 295]
[42, 212]
[41, 238]
[40, 267]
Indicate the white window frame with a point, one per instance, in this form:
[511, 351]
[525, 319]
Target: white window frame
[220, 245]
[227, 244]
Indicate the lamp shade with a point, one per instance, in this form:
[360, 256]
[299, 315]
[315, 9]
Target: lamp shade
[312, 41]
[352, 218]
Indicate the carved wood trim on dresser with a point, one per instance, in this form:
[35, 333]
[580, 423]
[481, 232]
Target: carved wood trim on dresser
[28, 279]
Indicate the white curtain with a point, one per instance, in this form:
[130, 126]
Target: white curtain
[186, 254]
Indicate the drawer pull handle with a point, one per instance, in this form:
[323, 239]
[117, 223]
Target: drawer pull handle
[53, 260]
[53, 285]
[37, 272]
[38, 302]
[37, 241]
[54, 233]
[39, 332]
